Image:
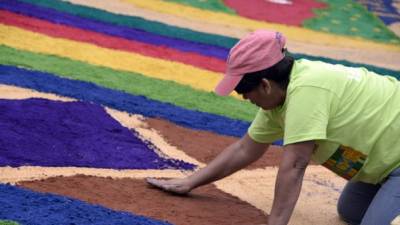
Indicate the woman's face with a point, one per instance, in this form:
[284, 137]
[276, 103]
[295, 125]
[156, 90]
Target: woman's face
[267, 95]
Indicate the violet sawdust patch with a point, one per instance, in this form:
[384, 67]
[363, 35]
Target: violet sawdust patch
[41, 132]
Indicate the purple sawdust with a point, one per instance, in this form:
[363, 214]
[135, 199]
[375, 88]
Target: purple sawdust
[42, 132]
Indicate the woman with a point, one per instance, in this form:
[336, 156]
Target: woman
[347, 119]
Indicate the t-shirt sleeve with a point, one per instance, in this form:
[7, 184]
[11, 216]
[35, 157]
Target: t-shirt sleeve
[307, 114]
[265, 128]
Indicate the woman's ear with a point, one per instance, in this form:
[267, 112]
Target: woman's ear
[266, 84]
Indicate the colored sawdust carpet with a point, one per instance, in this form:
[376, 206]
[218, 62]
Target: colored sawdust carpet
[387, 10]
[159, 59]
[206, 205]
[51, 133]
[347, 17]
[27, 207]
[322, 15]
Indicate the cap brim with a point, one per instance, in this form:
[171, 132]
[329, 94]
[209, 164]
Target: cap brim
[227, 84]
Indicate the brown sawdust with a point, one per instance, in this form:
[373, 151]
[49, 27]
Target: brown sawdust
[205, 146]
[205, 205]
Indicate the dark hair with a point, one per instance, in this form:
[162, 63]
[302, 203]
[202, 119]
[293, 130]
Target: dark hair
[280, 73]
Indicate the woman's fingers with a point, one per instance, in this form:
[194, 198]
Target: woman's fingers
[175, 186]
[155, 182]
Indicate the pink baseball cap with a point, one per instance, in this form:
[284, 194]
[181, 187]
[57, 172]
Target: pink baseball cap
[257, 51]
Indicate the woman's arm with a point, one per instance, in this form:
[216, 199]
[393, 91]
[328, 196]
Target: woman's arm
[289, 181]
[233, 158]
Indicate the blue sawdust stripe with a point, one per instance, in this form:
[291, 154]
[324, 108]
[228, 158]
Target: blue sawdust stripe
[46, 82]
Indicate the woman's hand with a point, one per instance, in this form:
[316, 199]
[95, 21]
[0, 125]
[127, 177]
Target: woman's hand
[174, 186]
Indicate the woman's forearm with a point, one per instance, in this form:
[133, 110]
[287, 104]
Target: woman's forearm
[287, 191]
[289, 181]
[232, 159]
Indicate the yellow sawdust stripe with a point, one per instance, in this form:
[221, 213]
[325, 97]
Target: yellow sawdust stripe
[27, 173]
[137, 123]
[119, 60]
[291, 32]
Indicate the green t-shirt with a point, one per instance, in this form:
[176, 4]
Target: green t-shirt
[352, 114]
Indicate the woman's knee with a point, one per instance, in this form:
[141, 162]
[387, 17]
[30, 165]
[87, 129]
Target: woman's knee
[355, 200]
[345, 212]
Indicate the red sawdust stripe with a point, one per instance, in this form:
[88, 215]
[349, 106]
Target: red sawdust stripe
[67, 32]
[205, 205]
[291, 14]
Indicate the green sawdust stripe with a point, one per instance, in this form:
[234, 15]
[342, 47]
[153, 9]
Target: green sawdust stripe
[133, 83]
[8, 222]
[136, 22]
[212, 5]
[379, 70]
[352, 19]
